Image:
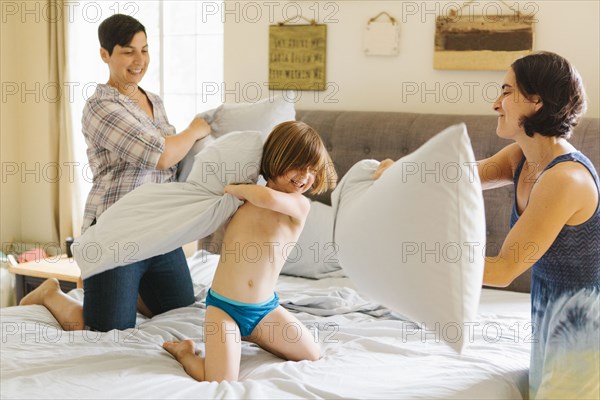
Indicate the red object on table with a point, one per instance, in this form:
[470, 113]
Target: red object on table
[36, 254]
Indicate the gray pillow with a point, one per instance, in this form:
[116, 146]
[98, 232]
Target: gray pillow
[315, 253]
[261, 116]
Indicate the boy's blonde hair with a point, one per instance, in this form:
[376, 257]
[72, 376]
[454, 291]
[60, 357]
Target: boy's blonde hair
[295, 145]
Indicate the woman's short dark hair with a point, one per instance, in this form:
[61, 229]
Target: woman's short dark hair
[560, 88]
[118, 29]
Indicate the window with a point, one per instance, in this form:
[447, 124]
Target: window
[185, 40]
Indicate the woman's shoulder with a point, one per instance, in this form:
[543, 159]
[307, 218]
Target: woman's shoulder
[572, 172]
[104, 101]
[105, 97]
[571, 183]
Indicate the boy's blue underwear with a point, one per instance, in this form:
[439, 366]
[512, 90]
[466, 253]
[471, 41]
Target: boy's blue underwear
[246, 315]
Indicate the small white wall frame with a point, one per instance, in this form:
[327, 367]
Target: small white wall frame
[382, 38]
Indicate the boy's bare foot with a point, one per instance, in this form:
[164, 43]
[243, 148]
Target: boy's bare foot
[185, 353]
[38, 295]
[180, 349]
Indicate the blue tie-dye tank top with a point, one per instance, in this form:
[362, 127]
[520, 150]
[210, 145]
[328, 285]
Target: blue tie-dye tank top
[565, 307]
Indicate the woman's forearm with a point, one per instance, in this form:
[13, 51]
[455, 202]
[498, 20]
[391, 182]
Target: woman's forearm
[176, 147]
[497, 272]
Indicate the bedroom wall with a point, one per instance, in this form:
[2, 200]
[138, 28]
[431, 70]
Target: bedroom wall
[362, 83]
[407, 82]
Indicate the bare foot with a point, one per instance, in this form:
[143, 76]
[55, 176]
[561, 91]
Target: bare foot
[67, 311]
[180, 349]
[185, 353]
[38, 295]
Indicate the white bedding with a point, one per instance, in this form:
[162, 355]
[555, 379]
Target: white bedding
[367, 352]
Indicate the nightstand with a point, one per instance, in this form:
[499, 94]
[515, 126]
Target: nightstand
[31, 274]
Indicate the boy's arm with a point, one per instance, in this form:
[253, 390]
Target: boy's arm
[293, 204]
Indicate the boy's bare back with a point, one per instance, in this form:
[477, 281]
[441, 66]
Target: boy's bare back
[253, 251]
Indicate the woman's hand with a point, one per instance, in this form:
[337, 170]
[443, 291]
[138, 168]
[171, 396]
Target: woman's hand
[177, 146]
[199, 127]
[385, 164]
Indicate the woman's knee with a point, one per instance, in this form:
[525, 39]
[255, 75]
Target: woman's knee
[110, 299]
[167, 284]
[105, 320]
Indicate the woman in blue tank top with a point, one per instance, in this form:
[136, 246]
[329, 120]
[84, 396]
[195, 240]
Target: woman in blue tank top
[555, 223]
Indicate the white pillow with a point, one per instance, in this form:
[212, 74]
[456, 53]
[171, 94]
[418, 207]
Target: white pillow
[156, 218]
[315, 254]
[413, 240]
[261, 116]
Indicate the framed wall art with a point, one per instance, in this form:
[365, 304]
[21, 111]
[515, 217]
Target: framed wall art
[481, 42]
[297, 56]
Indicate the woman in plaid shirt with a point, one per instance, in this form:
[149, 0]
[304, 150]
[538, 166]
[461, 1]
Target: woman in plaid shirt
[130, 142]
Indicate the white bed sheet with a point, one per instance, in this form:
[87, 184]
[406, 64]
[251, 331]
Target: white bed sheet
[367, 352]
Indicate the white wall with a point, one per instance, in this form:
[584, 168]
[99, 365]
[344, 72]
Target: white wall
[358, 82]
[570, 28]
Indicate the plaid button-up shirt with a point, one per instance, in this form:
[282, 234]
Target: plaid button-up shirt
[124, 145]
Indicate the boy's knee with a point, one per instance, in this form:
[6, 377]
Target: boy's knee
[313, 352]
[315, 356]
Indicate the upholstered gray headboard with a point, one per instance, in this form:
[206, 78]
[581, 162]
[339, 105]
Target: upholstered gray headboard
[353, 136]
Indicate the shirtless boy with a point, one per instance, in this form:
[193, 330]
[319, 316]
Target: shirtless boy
[242, 298]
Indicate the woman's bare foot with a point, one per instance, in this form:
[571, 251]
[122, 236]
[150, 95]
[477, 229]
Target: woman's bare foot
[37, 296]
[67, 311]
[185, 353]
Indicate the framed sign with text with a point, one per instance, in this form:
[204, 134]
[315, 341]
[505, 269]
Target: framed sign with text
[297, 57]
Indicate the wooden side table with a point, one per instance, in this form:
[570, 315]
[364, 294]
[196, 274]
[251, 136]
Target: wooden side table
[31, 274]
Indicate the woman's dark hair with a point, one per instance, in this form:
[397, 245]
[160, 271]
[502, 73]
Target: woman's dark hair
[118, 29]
[560, 88]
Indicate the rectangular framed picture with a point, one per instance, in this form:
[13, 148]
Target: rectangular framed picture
[297, 57]
[481, 42]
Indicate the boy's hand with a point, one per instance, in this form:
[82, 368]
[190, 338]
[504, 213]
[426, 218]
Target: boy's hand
[240, 190]
[385, 164]
[230, 189]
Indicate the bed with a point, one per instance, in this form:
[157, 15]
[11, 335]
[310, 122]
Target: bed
[368, 351]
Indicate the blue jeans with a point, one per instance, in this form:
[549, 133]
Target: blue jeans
[110, 298]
